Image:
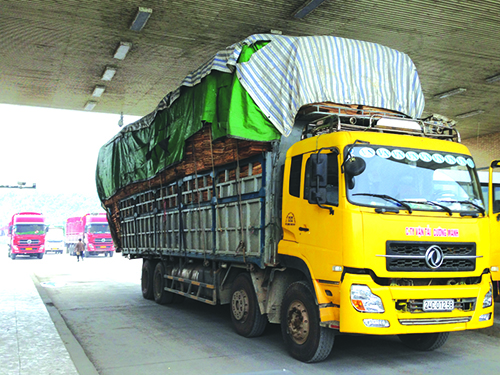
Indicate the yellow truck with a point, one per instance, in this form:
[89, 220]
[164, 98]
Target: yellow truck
[305, 191]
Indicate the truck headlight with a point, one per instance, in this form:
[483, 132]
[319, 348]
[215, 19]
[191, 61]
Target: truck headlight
[488, 298]
[91, 247]
[364, 300]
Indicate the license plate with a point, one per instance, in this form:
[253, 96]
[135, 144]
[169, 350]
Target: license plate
[103, 247]
[439, 304]
[54, 248]
[29, 248]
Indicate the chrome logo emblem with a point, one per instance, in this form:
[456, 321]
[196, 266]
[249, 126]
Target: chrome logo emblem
[28, 242]
[103, 240]
[434, 257]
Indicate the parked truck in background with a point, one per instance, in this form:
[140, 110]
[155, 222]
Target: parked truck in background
[54, 240]
[26, 235]
[293, 179]
[93, 230]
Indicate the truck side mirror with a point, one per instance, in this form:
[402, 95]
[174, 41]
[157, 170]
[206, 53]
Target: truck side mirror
[354, 166]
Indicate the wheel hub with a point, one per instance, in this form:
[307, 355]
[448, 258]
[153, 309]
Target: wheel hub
[298, 322]
[239, 305]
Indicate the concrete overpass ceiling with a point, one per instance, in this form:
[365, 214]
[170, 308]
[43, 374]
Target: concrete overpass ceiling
[54, 52]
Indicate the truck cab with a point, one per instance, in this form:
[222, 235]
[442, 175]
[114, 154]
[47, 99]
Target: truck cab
[27, 235]
[391, 230]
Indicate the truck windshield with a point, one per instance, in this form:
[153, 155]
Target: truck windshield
[29, 229]
[98, 228]
[424, 180]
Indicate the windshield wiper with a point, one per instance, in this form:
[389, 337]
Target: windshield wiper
[431, 203]
[479, 208]
[387, 198]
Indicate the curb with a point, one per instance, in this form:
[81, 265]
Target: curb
[82, 363]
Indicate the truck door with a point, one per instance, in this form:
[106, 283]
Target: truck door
[315, 227]
[494, 215]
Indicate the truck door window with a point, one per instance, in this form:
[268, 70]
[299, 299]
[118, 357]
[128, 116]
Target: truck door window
[496, 198]
[332, 181]
[295, 172]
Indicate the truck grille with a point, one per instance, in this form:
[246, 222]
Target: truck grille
[411, 256]
[31, 242]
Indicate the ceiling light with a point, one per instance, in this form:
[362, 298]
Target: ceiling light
[141, 18]
[90, 105]
[307, 8]
[493, 79]
[122, 50]
[470, 114]
[446, 94]
[109, 73]
[98, 91]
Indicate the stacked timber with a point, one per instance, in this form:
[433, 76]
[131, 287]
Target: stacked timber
[201, 155]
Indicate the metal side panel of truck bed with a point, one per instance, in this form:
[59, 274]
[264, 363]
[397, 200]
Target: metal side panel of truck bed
[223, 214]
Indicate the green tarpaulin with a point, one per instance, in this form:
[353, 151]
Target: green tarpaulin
[219, 100]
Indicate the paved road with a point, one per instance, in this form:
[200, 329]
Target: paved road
[121, 333]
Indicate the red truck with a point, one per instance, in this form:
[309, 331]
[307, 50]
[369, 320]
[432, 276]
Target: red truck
[93, 229]
[27, 235]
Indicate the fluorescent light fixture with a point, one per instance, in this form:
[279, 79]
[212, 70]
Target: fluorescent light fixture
[90, 105]
[307, 8]
[98, 91]
[122, 50]
[109, 73]
[141, 18]
[446, 94]
[470, 114]
[493, 79]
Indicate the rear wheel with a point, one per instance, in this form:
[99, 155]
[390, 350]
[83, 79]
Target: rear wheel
[147, 279]
[161, 296]
[425, 342]
[245, 311]
[304, 338]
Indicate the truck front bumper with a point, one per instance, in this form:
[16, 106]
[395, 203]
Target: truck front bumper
[403, 313]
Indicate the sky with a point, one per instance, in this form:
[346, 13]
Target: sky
[54, 148]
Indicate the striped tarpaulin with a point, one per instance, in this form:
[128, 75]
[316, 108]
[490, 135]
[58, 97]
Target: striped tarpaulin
[290, 72]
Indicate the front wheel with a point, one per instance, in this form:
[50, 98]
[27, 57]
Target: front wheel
[12, 256]
[245, 312]
[425, 342]
[40, 256]
[304, 338]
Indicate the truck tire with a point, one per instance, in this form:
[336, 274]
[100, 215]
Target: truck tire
[245, 313]
[425, 342]
[40, 256]
[110, 254]
[147, 279]
[304, 338]
[12, 256]
[161, 296]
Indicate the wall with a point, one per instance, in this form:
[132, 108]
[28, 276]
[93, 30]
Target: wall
[484, 149]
